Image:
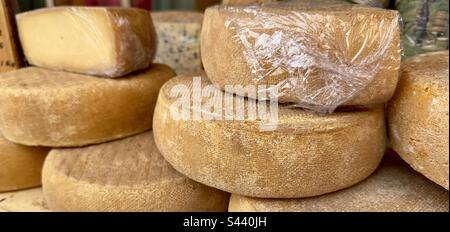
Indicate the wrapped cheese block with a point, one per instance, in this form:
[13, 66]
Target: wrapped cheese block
[280, 153]
[318, 56]
[418, 115]
[109, 42]
[54, 108]
[179, 39]
[20, 166]
[124, 175]
[394, 187]
[30, 200]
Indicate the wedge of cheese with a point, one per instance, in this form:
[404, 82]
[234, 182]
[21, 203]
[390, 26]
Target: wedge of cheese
[296, 154]
[109, 42]
[179, 40]
[418, 116]
[20, 166]
[394, 187]
[54, 108]
[30, 200]
[124, 175]
[316, 55]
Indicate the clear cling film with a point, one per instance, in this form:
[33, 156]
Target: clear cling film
[317, 57]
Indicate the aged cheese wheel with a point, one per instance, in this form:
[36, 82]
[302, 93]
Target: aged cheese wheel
[319, 56]
[20, 166]
[179, 39]
[393, 187]
[418, 116]
[245, 2]
[30, 200]
[302, 155]
[54, 108]
[124, 175]
[108, 42]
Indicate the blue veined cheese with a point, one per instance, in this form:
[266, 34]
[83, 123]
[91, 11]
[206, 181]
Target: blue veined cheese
[179, 40]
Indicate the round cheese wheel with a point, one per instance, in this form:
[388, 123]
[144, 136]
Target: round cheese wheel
[20, 166]
[303, 155]
[123, 175]
[393, 187]
[30, 200]
[179, 39]
[319, 57]
[418, 116]
[60, 109]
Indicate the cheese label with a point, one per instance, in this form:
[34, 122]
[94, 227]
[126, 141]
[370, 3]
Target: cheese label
[9, 58]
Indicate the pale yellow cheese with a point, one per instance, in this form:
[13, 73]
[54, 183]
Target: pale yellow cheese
[124, 175]
[418, 116]
[20, 166]
[108, 42]
[53, 108]
[179, 39]
[305, 155]
[30, 200]
[319, 55]
[245, 2]
[394, 187]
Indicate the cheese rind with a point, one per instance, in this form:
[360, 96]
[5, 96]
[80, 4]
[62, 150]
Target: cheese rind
[394, 187]
[305, 155]
[179, 40]
[319, 56]
[60, 109]
[20, 166]
[123, 175]
[30, 200]
[109, 42]
[418, 116]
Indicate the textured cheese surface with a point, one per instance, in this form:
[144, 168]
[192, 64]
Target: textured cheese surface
[124, 175]
[393, 187]
[53, 108]
[418, 116]
[335, 44]
[99, 41]
[20, 166]
[179, 39]
[245, 2]
[30, 200]
[306, 155]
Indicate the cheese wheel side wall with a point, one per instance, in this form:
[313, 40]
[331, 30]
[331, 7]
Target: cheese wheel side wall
[418, 116]
[20, 166]
[229, 156]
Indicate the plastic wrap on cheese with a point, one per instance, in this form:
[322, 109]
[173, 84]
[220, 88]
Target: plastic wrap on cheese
[109, 42]
[318, 57]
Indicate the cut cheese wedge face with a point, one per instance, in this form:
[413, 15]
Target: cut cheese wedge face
[124, 175]
[20, 166]
[316, 55]
[418, 116]
[109, 42]
[30, 200]
[179, 40]
[394, 187]
[60, 109]
[302, 155]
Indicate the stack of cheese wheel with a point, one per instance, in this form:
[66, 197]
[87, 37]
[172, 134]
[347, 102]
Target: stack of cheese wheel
[93, 82]
[179, 40]
[212, 128]
[418, 115]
